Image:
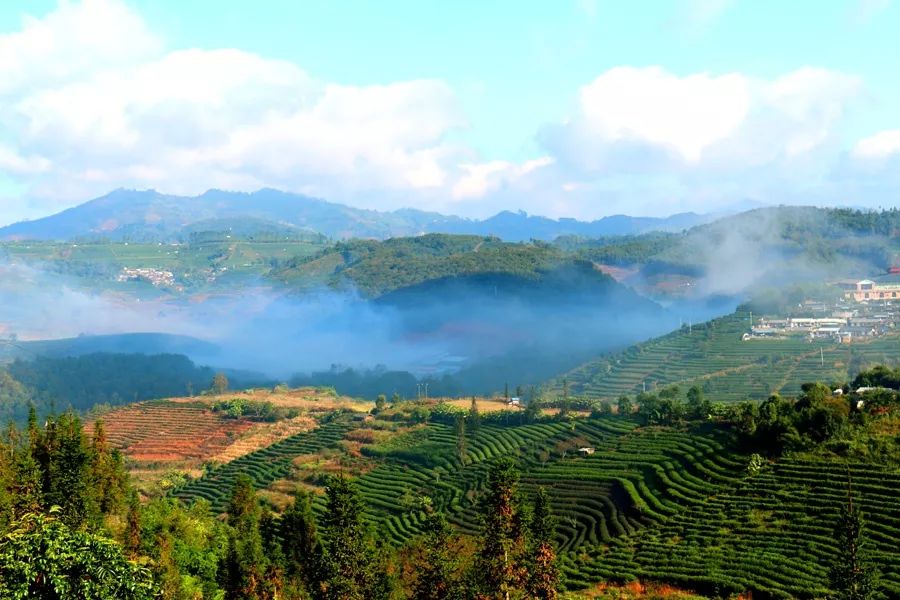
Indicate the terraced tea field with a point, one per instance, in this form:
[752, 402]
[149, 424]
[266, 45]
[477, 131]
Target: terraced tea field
[656, 504]
[713, 355]
[264, 466]
[631, 481]
[771, 533]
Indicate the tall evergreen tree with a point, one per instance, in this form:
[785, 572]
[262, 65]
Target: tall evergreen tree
[132, 542]
[474, 416]
[851, 577]
[245, 562]
[437, 563]
[351, 569]
[543, 574]
[64, 458]
[461, 439]
[300, 544]
[497, 573]
[108, 478]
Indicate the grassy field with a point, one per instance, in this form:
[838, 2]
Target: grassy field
[713, 355]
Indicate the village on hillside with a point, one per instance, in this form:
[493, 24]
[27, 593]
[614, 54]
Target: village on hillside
[869, 308]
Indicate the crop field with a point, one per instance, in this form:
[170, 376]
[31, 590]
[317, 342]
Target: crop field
[183, 433]
[164, 431]
[649, 503]
[771, 533]
[263, 466]
[714, 356]
[631, 481]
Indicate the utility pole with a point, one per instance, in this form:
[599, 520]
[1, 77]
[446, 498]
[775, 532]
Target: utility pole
[822, 355]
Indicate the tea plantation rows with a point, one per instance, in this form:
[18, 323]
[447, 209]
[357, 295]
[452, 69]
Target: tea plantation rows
[771, 533]
[630, 481]
[263, 466]
[713, 355]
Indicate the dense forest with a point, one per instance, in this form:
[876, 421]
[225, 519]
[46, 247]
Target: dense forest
[52, 384]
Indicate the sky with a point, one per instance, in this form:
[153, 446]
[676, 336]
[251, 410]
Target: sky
[578, 109]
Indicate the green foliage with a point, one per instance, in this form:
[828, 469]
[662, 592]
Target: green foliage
[300, 544]
[255, 410]
[187, 544]
[351, 561]
[851, 576]
[41, 557]
[878, 376]
[542, 580]
[243, 574]
[496, 572]
[436, 566]
[81, 382]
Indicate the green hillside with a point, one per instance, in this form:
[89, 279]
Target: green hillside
[680, 504]
[714, 356]
[208, 260]
[766, 246]
[376, 268]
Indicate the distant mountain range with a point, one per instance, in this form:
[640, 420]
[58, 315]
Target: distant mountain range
[151, 216]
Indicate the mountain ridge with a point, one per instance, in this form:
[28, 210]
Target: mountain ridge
[148, 215]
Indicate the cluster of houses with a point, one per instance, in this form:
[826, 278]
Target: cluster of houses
[871, 307]
[842, 326]
[877, 289]
[157, 277]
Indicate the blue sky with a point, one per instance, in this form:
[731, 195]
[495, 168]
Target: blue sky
[563, 108]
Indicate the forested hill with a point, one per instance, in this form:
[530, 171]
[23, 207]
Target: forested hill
[767, 246]
[376, 268]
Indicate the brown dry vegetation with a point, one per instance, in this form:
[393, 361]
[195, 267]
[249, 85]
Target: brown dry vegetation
[635, 590]
[484, 404]
[180, 434]
[304, 399]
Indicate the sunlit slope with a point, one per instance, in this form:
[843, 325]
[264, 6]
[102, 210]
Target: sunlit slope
[663, 504]
[713, 355]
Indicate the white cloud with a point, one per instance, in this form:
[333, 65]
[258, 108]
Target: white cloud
[882, 145]
[74, 40]
[91, 99]
[650, 120]
[482, 178]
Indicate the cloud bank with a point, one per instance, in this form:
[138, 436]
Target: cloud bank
[91, 99]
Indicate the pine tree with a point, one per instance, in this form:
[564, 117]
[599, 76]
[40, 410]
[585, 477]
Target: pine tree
[496, 573]
[300, 544]
[108, 478]
[461, 439]
[564, 402]
[245, 562]
[133, 526]
[349, 555]
[64, 458]
[474, 416]
[851, 577]
[543, 574]
[437, 563]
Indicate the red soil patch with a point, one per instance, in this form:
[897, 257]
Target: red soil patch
[169, 432]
